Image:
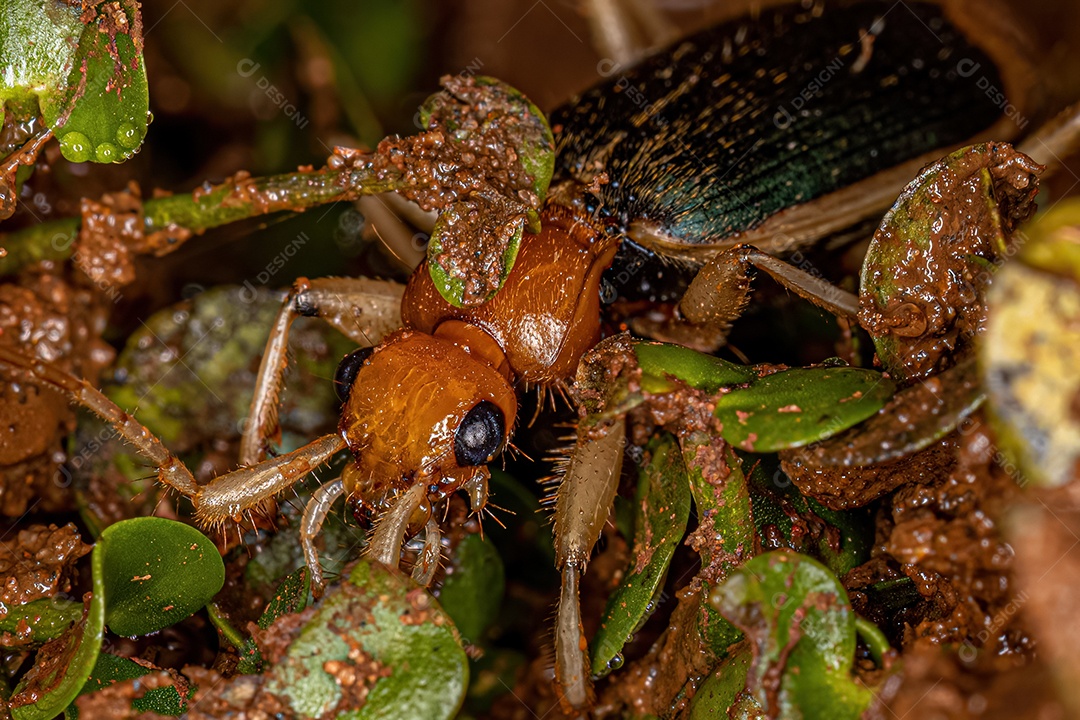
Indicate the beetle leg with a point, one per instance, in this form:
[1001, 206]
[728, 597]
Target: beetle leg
[171, 471]
[225, 497]
[363, 310]
[1058, 138]
[720, 291]
[581, 509]
[428, 562]
[617, 26]
[389, 534]
[315, 513]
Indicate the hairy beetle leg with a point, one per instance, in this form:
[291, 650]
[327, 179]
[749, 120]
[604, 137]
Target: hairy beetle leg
[363, 310]
[582, 506]
[171, 471]
[720, 291]
[226, 497]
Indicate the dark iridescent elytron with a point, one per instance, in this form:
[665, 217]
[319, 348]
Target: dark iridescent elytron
[724, 129]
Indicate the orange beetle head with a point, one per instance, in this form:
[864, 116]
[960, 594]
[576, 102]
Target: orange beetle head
[419, 408]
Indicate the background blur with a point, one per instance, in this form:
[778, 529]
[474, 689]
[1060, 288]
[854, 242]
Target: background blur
[268, 85]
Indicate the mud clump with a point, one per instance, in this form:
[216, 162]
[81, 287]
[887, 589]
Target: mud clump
[39, 563]
[46, 316]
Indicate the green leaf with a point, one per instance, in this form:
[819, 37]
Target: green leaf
[39, 620]
[291, 597]
[101, 115]
[111, 669]
[659, 361]
[722, 498]
[841, 539]
[797, 615]
[724, 694]
[662, 507]
[156, 572]
[38, 41]
[796, 407]
[63, 664]
[913, 419]
[384, 615]
[473, 590]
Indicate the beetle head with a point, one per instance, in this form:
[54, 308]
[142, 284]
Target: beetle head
[419, 408]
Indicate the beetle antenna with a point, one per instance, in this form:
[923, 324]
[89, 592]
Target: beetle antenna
[739, 354]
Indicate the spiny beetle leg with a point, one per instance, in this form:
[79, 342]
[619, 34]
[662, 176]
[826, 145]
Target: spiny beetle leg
[226, 497]
[720, 291]
[363, 310]
[582, 505]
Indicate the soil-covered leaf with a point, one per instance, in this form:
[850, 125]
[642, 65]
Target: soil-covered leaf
[394, 640]
[796, 614]
[63, 664]
[925, 275]
[38, 621]
[110, 669]
[725, 537]
[490, 200]
[156, 572]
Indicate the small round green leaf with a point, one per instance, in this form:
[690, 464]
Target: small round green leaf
[797, 615]
[405, 640]
[156, 573]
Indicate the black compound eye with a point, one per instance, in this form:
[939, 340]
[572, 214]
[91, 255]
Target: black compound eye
[480, 434]
[347, 369]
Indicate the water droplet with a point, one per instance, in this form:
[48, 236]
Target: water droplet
[128, 135]
[616, 662]
[106, 153]
[75, 147]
